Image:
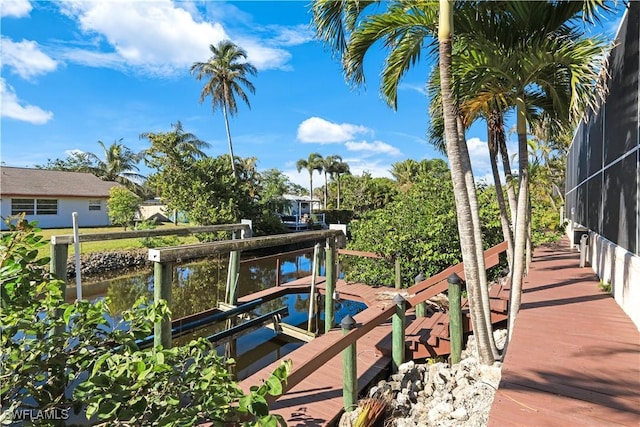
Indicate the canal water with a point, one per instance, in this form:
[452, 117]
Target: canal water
[199, 286]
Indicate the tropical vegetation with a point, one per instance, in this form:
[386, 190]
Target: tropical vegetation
[77, 361]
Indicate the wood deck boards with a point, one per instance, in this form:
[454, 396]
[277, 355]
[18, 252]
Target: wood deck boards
[575, 355]
[317, 400]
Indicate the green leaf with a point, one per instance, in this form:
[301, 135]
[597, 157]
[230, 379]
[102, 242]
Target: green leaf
[259, 408]
[101, 380]
[274, 385]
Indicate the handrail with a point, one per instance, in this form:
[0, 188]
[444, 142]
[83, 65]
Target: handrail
[174, 253]
[436, 284]
[360, 253]
[424, 290]
[67, 239]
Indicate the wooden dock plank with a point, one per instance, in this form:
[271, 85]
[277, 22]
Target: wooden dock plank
[574, 358]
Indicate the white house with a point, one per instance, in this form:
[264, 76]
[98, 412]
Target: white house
[50, 197]
[299, 213]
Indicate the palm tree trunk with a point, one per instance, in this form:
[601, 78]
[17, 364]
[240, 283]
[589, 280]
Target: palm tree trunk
[504, 218]
[477, 235]
[463, 209]
[326, 190]
[226, 124]
[338, 182]
[508, 176]
[520, 237]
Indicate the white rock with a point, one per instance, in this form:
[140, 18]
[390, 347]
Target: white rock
[460, 414]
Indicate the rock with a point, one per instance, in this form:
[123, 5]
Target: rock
[442, 395]
[460, 414]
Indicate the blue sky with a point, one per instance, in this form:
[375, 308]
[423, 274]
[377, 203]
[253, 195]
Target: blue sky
[77, 72]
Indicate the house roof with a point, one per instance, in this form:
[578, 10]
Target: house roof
[49, 183]
[293, 197]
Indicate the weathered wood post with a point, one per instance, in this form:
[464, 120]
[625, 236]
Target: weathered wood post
[398, 275]
[231, 295]
[398, 329]
[349, 368]
[278, 271]
[312, 293]
[455, 317]
[58, 262]
[330, 285]
[162, 281]
[318, 264]
[421, 307]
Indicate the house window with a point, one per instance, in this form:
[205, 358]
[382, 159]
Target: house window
[47, 207]
[95, 205]
[22, 205]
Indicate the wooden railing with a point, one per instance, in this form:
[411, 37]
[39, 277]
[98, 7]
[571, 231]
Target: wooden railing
[422, 291]
[164, 258]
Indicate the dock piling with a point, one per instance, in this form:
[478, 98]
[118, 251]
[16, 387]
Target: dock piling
[330, 286]
[349, 374]
[398, 333]
[162, 281]
[455, 317]
[58, 262]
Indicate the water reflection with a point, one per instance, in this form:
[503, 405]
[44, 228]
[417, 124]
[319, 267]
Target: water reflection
[199, 286]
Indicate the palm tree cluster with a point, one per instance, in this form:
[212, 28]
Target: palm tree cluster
[531, 57]
[331, 166]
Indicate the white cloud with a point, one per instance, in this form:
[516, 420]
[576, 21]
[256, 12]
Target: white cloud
[292, 36]
[264, 57]
[375, 147]
[14, 109]
[420, 88]
[376, 168]
[15, 8]
[479, 154]
[480, 162]
[158, 37]
[318, 130]
[25, 58]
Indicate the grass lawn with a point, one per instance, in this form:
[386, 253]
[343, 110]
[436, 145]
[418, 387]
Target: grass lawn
[108, 245]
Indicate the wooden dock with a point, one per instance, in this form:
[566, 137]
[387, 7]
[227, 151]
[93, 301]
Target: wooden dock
[574, 359]
[315, 398]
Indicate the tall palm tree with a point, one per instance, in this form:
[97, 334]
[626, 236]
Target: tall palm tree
[227, 72]
[312, 163]
[550, 62]
[329, 164]
[118, 164]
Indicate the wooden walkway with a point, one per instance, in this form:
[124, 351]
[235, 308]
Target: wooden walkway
[317, 400]
[574, 359]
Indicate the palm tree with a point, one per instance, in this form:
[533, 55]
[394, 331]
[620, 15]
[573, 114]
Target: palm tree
[119, 164]
[341, 168]
[174, 149]
[312, 163]
[227, 71]
[552, 68]
[329, 164]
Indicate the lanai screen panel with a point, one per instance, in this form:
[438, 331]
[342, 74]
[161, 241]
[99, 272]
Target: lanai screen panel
[620, 220]
[621, 122]
[603, 162]
[595, 143]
